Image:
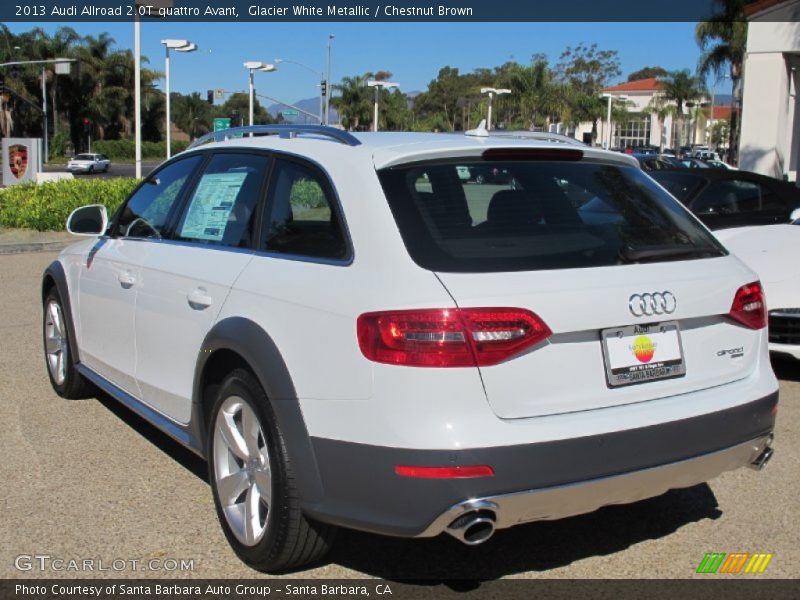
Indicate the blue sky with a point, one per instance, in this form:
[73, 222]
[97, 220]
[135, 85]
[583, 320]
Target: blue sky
[413, 52]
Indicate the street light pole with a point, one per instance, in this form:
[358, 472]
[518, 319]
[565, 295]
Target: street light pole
[179, 46]
[492, 92]
[329, 88]
[252, 66]
[610, 97]
[378, 85]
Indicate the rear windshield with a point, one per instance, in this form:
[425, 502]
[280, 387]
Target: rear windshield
[488, 216]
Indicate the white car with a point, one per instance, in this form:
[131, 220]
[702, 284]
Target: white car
[772, 251]
[89, 163]
[353, 336]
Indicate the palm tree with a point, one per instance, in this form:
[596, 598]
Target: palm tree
[680, 87]
[354, 101]
[539, 97]
[723, 41]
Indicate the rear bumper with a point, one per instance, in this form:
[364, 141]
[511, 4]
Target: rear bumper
[545, 480]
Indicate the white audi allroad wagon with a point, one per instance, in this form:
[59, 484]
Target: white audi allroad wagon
[353, 334]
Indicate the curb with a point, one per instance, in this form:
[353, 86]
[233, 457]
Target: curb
[32, 247]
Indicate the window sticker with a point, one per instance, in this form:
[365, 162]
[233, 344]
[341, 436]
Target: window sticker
[211, 206]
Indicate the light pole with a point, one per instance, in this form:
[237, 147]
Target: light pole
[252, 66]
[321, 76]
[492, 92]
[608, 117]
[178, 46]
[328, 88]
[378, 85]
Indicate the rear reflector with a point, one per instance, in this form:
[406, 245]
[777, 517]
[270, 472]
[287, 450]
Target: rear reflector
[749, 306]
[456, 337]
[444, 472]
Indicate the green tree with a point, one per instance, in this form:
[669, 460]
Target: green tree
[191, 114]
[588, 69]
[723, 41]
[354, 102]
[647, 73]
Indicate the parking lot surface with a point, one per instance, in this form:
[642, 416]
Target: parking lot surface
[89, 480]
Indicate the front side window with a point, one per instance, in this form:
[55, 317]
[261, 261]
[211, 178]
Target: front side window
[147, 212]
[538, 215]
[222, 206]
[302, 220]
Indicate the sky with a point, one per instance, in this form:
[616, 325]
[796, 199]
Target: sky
[412, 52]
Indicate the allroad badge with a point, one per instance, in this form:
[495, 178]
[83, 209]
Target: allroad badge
[652, 304]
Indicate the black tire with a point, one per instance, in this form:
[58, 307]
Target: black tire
[73, 386]
[90, 171]
[290, 539]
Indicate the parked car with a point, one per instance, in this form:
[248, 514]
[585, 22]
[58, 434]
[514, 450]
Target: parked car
[694, 163]
[487, 174]
[718, 164]
[655, 162]
[351, 335]
[89, 163]
[722, 198]
[772, 251]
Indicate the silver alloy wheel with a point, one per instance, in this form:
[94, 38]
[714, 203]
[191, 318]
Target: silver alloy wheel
[242, 473]
[56, 345]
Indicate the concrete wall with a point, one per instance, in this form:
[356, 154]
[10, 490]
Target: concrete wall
[770, 115]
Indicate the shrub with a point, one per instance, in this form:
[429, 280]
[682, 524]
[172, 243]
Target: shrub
[126, 150]
[46, 206]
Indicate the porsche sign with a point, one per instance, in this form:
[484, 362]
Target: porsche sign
[20, 160]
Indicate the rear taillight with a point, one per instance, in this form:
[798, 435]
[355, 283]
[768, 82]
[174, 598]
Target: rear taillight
[749, 306]
[455, 337]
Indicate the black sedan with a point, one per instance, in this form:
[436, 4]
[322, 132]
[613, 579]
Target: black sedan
[722, 198]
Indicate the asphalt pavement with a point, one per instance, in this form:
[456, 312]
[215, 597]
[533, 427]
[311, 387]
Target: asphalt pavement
[89, 480]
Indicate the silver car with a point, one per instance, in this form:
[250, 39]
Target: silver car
[89, 163]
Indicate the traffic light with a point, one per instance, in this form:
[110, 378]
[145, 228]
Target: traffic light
[87, 125]
[324, 86]
[210, 96]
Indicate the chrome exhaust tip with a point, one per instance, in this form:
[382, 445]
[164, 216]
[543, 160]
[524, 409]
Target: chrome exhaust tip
[473, 528]
[761, 461]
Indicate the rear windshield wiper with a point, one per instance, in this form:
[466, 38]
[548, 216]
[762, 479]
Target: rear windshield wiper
[664, 252]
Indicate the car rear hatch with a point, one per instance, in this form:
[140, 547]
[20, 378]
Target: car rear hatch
[640, 299]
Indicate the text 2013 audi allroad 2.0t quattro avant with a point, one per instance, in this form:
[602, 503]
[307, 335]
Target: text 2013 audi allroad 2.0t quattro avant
[354, 335]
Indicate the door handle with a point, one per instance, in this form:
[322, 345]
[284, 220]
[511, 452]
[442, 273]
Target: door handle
[126, 280]
[199, 299]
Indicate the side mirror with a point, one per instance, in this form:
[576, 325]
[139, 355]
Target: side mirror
[794, 217]
[88, 220]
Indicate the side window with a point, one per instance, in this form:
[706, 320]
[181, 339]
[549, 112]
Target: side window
[302, 219]
[734, 197]
[223, 205]
[147, 212]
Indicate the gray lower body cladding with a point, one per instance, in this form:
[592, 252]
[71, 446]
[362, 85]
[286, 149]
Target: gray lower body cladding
[362, 491]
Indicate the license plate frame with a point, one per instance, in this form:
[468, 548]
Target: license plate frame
[655, 350]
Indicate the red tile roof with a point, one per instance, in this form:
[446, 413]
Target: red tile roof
[756, 7]
[650, 84]
[722, 112]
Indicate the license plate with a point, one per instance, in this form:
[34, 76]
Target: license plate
[641, 353]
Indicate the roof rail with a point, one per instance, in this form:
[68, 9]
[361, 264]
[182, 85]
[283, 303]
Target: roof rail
[537, 135]
[284, 131]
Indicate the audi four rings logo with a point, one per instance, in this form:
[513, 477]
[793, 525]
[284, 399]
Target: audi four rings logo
[657, 303]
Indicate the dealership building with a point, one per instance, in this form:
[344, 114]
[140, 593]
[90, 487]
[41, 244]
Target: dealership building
[770, 138]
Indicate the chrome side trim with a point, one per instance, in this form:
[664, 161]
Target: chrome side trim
[184, 435]
[582, 497]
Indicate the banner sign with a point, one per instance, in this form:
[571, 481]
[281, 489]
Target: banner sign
[276, 11]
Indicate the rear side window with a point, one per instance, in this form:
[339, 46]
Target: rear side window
[680, 185]
[736, 196]
[302, 219]
[147, 212]
[530, 215]
[222, 206]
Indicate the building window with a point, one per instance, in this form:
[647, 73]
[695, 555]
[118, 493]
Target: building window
[634, 132]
